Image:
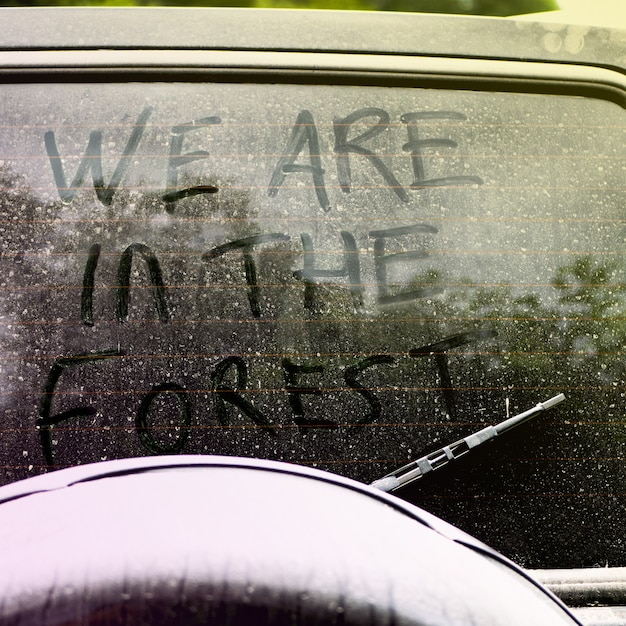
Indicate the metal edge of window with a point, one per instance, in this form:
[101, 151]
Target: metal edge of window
[312, 68]
[597, 595]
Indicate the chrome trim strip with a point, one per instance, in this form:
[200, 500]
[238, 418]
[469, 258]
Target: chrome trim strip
[305, 61]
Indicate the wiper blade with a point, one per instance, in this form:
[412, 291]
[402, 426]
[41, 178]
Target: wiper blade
[435, 460]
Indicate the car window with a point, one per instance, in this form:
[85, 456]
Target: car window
[346, 277]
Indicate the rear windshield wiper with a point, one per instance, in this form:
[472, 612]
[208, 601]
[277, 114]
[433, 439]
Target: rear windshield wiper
[435, 460]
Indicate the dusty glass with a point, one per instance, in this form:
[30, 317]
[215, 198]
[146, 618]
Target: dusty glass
[344, 277]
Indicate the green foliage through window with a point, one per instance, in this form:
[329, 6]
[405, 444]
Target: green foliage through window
[470, 7]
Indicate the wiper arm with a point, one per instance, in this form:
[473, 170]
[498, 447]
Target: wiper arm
[435, 460]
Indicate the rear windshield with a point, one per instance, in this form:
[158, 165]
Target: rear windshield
[342, 277]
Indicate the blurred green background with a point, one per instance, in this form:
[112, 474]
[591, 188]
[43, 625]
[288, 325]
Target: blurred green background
[469, 7]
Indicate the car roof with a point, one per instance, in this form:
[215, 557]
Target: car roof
[389, 33]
